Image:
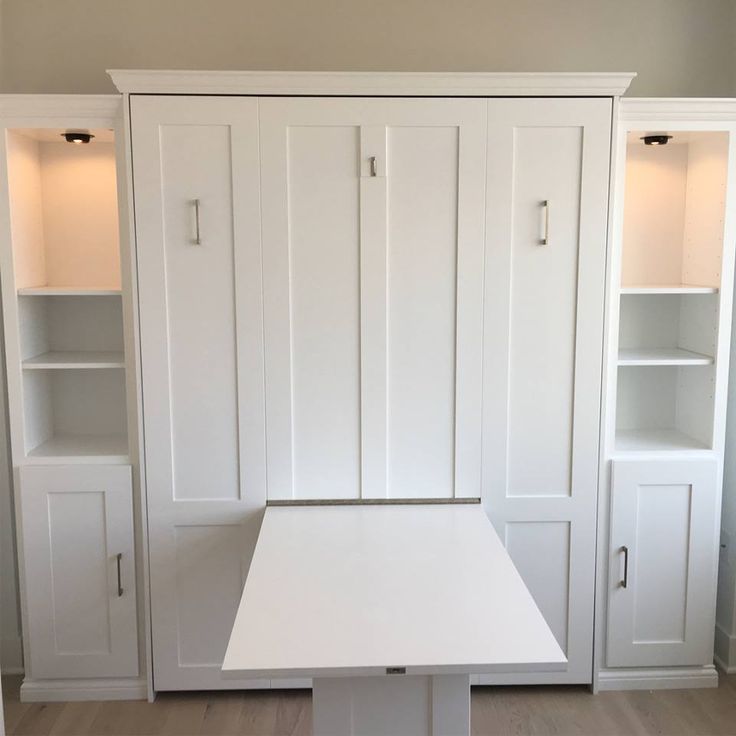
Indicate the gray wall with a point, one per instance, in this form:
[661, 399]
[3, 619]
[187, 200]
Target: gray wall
[679, 47]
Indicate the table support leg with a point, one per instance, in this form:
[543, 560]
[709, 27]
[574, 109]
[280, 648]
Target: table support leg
[410, 705]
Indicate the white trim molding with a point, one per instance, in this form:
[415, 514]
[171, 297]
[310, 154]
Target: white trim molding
[664, 678]
[55, 691]
[690, 109]
[104, 107]
[725, 650]
[404, 84]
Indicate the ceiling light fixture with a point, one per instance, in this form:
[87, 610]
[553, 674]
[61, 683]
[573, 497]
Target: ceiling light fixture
[659, 139]
[77, 137]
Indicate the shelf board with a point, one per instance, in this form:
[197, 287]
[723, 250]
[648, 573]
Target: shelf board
[670, 289]
[57, 360]
[661, 356]
[67, 291]
[656, 440]
[81, 449]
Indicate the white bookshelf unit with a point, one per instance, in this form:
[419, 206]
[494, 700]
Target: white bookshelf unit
[68, 380]
[668, 338]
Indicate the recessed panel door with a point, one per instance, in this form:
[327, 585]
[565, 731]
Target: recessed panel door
[662, 578]
[79, 570]
[198, 249]
[373, 251]
[548, 166]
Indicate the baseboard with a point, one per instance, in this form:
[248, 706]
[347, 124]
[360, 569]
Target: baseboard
[11, 655]
[663, 678]
[53, 691]
[530, 678]
[725, 651]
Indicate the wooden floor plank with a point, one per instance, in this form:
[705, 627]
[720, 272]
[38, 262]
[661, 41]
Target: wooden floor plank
[507, 711]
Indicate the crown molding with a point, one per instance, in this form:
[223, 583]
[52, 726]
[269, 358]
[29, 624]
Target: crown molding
[403, 84]
[687, 109]
[89, 110]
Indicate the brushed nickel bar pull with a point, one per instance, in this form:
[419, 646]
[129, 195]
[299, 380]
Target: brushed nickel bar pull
[119, 558]
[544, 240]
[625, 581]
[373, 165]
[197, 234]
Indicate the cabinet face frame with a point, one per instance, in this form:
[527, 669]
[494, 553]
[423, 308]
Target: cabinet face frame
[672, 115]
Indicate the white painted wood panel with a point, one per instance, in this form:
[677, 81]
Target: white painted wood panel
[373, 296]
[543, 338]
[663, 519]
[75, 521]
[422, 211]
[324, 300]
[202, 371]
[428, 587]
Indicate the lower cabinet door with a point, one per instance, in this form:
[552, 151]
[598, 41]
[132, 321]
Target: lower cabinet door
[77, 552]
[662, 576]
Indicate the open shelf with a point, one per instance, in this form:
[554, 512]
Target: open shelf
[81, 449]
[75, 325]
[65, 242]
[67, 291]
[75, 359]
[664, 406]
[661, 356]
[74, 412]
[670, 289]
[656, 440]
[671, 270]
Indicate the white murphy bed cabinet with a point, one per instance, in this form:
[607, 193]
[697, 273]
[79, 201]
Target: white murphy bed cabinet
[68, 342]
[415, 338]
[672, 263]
[341, 285]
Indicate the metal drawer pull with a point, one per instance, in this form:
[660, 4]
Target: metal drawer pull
[197, 235]
[119, 557]
[544, 240]
[625, 581]
[374, 166]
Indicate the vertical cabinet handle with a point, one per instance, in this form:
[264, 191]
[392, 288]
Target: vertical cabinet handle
[119, 558]
[625, 581]
[197, 234]
[373, 166]
[544, 239]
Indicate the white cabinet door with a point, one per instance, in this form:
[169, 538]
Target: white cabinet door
[195, 163]
[548, 166]
[661, 605]
[79, 571]
[373, 218]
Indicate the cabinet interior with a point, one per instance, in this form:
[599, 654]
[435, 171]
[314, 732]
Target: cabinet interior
[66, 256]
[63, 197]
[674, 207]
[674, 210]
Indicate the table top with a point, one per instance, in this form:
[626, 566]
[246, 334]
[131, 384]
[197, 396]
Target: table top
[354, 590]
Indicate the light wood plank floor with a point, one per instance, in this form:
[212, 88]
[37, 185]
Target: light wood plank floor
[563, 711]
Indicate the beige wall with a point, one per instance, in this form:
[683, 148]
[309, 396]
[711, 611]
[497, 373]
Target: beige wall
[679, 47]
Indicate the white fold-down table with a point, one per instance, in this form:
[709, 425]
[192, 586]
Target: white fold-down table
[390, 608]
